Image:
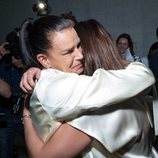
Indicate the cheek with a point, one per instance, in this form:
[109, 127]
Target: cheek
[65, 64]
[70, 61]
[119, 45]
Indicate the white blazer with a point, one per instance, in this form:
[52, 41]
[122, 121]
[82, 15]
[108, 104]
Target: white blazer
[119, 129]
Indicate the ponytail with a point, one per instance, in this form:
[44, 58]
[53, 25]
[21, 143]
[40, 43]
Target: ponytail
[28, 55]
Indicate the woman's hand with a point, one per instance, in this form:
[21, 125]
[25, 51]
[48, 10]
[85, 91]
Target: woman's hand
[29, 79]
[3, 50]
[126, 62]
[17, 62]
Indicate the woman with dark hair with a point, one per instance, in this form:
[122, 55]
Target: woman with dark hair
[66, 107]
[125, 47]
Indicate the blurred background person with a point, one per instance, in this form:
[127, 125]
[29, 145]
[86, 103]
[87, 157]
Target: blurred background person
[154, 46]
[126, 48]
[153, 59]
[5, 91]
[11, 70]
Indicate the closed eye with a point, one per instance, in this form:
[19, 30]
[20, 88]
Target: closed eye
[69, 51]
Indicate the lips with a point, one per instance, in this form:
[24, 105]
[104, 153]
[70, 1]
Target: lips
[78, 66]
[121, 50]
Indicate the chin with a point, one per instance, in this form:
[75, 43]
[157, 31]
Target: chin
[122, 52]
[79, 71]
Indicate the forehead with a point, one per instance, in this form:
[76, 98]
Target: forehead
[64, 39]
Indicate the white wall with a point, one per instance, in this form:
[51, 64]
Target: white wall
[139, 18]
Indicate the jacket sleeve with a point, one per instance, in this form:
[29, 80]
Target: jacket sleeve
[66, 95]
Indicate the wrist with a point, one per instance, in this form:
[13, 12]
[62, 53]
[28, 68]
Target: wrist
[25, 117]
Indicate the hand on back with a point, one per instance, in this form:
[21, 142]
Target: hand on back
[29, 78]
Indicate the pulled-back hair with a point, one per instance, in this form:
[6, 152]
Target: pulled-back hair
[98, 47]
[34, 36]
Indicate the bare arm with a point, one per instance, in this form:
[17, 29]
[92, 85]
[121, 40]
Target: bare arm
[5, 89]
[67, 142]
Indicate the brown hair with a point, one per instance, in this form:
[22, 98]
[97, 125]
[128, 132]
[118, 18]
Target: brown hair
[98, 48]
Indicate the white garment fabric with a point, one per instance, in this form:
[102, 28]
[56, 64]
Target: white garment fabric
[145, 61]
[128, 56]
[133, 58]
[119, 130]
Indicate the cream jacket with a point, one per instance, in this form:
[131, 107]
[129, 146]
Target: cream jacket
[118, 129]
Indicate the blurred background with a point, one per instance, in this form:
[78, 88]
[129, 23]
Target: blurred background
[139, 18]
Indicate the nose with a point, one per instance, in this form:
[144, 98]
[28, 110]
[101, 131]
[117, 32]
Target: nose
[79, 54]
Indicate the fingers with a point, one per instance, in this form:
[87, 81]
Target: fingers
[14, 61]
[4, 43]
[27, 83]
[125, 62]
[4, 51]
[17, 62]
[38, 74]
[29, 78]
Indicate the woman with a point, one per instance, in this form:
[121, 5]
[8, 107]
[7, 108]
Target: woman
[125, 47]
[89, 122]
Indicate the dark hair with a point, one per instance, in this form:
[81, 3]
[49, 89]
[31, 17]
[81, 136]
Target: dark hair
[130, 42]
[153, 49]
[98, 47]
[34, 36]
[157, 32]
[70, 16]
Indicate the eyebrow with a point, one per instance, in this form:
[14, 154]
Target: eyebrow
[72, 48]
[69, 49]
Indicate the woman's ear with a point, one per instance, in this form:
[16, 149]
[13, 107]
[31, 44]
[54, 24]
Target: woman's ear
[43, 59]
